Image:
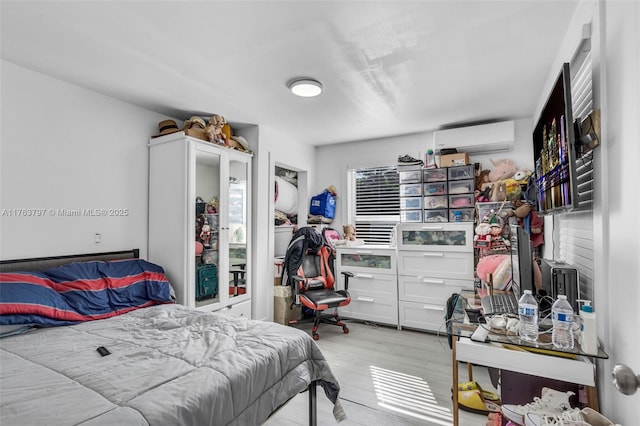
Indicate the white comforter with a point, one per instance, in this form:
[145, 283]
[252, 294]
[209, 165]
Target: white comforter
[169, 365]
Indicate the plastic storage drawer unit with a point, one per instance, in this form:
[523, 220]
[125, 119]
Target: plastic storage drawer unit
[410, 203]
[438, 215]
[436, 202]
[410, 189]
[435, 188]
[464, 186]
[434, 175]
[461, 201]
[461, 172]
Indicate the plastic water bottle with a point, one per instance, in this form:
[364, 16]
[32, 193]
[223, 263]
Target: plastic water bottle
[562, 318]
[528, 313]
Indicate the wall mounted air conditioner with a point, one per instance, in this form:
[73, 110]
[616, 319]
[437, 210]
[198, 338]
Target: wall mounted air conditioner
[479, 139]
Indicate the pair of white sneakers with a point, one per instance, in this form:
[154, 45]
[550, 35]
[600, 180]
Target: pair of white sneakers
[553, 409]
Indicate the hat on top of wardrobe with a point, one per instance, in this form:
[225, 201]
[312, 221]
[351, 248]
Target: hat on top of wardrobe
[166, 127]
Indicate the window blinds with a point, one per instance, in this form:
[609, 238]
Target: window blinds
[574, 231]
[374, 202]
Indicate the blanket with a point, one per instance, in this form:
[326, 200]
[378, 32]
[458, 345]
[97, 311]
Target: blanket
[168, 365]
[81, 291]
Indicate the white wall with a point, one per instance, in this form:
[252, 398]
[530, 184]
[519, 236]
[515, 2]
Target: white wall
[332, 161]
[64, 147]
[274, 148]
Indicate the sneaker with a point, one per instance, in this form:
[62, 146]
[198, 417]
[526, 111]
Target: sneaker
[571, 417]
[408, 160]
[551, 402]
[574, 417]
[594, 418]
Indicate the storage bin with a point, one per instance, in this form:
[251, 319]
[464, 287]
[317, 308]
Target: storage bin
[438, 215]
[435, 188]
[436, 202]
[461, 172]
[410, 189]
[461, 201]
[502, 208]
[461, 215]
[411, 216]
[413, 176]
[434, 175]
[410, 203]
[465, 186]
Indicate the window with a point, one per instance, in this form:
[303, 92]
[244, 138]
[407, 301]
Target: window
[374, 202]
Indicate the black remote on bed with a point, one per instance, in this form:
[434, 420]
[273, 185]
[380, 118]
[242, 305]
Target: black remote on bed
[103, 351]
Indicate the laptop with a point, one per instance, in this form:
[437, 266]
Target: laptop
[503, 303]
[521, 276]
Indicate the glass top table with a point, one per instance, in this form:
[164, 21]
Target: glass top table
[462, 327]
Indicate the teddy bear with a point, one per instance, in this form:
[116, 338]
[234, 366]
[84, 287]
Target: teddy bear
[349, 232]
[529, 219]
[214, 130]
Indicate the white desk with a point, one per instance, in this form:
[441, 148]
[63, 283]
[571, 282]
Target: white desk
[580, 370]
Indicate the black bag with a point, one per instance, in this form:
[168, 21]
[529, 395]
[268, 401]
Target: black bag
[206, 281]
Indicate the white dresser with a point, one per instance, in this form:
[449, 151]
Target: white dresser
[374, 285]
[434, 261]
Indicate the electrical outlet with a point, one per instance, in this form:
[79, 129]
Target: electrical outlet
[98, 238]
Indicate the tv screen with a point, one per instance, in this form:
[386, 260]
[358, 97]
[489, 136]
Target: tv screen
[553, 150]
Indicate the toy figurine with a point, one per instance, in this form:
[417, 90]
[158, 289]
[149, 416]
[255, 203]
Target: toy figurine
[205, 234]
[214, 130]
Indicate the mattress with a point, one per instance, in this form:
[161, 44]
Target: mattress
[168, 365]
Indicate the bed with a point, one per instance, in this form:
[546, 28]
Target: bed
[154, 363]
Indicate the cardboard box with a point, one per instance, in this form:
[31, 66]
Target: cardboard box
[457, 159]
[282, 312]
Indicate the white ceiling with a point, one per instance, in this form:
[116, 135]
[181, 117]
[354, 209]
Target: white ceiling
[388, 68]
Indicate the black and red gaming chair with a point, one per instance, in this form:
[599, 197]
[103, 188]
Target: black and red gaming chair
[309, 270]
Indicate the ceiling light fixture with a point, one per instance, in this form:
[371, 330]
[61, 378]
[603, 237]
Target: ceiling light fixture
[305, 87]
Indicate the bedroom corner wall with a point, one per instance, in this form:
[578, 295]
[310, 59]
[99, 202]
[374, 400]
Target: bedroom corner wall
[67, 155]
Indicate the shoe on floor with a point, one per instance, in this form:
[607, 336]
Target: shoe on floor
[551, 402]
[488, 395]
[574, 417]
[472, 401]
[407, 160]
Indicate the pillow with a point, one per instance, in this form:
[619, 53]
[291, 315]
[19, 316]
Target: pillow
[81, 291]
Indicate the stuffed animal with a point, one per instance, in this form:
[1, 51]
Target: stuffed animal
[503, 169]
[349, 232]
[530, 221]
[495, 268]
[214, 130]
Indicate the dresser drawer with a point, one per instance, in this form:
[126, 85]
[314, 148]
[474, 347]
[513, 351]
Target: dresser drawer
[376, 285]
[368, 308]
[451, 237]
[434, 264]
[422, 316]
[365, 260]
[430, 290]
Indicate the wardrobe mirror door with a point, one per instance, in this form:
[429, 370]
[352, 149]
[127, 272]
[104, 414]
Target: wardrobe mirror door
[238, 266]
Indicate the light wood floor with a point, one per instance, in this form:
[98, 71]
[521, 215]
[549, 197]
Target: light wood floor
[387, 377]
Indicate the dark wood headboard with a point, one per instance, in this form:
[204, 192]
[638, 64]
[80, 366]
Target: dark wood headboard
[42, 263]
